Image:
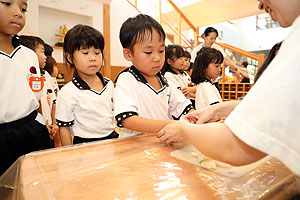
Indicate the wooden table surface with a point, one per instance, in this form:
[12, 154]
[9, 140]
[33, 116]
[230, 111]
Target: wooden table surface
[134, 168]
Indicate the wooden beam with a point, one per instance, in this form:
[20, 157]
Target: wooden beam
[179, 30]
[182, 15]
[196, 33]
[106, 34]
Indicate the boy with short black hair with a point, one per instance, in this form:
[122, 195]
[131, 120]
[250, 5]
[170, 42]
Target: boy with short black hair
[144, 100]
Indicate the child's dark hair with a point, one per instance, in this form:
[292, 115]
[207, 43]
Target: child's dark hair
[191, 67]
[205, 56]
[31, 42]
[245, 64]
[172, 52]
[267, 61]
[82, 36]
[210, 30]
[187, 54]
[136, 29]
[50, 63]
[48, 50]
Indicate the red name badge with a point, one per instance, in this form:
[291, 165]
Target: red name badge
[36, 83]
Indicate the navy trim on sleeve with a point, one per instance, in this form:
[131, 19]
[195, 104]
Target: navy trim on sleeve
[123, 116]
[186, 110]
[61, 123]
[213, 103]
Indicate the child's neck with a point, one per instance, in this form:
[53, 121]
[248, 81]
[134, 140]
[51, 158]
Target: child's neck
[6, 44]
[153, 81]
[93, 81]
[177, 71]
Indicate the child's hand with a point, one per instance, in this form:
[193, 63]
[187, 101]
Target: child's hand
[185, 91]
[49, 128]
[54, 130]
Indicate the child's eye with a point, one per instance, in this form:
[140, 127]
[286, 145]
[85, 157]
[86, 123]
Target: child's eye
[148, 52]
[23, 10]
[162, 51]
[6, 3]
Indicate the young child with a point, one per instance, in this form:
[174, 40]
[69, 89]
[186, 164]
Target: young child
[144, 100]
[173, 69]
[51, 68]
[48, 98]
[187, 61]
[84, 105]
[20, 89]
[207, 68]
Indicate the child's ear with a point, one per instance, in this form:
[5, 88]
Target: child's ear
[127, 54]
[169, 61]
[69, 59]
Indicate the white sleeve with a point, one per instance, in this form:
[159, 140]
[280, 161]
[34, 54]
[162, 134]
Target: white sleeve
[268, 117]
[206, 95]
[125, 104]
[171, 78]
[65, 106]
[179, 104]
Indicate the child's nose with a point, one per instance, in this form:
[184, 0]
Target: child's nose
[156, 57]
[17, 12]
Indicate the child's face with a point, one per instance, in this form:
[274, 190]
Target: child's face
[186, 63]
[12, 16]
[148, 56]
[40, 52]
[87, 61]
[213, 71]
[177, 63]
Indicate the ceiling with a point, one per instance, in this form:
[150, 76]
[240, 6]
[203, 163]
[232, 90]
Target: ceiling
[209, 12]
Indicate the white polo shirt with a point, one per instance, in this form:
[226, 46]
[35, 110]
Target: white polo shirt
[134, 96]
[17, 99]
[207, 94]
[268, 117]
[88, 112]
[197, 48]
[178, 80]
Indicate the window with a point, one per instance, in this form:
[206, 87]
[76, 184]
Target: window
[264, 21]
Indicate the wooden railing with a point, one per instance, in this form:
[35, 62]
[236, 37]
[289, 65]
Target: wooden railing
[187, 44]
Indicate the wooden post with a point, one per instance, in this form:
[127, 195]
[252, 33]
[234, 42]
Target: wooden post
[196, 33]
[260, 60]
[135, 3]
[106, 34]
[159, 12]
[179, 30]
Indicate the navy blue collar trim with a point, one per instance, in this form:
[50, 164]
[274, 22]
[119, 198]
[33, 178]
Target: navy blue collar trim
[82, 85]
[16, 45]
[141, 78]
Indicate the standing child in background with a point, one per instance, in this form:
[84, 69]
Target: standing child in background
[144, 100]
[187, 61]
[48, 98]
[173, 69]
[84, 105]
[51, 68]
[20, 130]
[207, 68]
